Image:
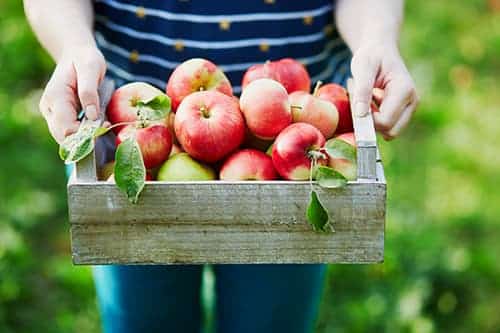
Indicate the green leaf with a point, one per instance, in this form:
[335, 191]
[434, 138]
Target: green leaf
[101, 131]
[329, 178]
[130, 172]
[340, 149]
[156, 108]
[317, 215]
[77, 145]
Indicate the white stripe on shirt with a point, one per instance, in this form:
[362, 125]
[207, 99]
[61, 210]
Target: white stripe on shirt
[102, 42]
[213, 44]
[217, 18]
[121, 73]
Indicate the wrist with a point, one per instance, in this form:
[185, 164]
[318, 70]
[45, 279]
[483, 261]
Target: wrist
[382, 34]
[74, 46]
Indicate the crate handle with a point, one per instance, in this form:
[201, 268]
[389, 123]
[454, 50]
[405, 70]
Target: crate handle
[86, 169]
[366, 140]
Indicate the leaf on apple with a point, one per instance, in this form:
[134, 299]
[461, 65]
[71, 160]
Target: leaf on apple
[130, 171]
[156, 108]
[329, 178]
[78, 145]
[337, 148]
[317, 215]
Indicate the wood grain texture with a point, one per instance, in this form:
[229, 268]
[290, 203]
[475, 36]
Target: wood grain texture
[366, 140]
[86, 169]
[215, 222]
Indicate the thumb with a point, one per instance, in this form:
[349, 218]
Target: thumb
[364, 72]
[87, 83]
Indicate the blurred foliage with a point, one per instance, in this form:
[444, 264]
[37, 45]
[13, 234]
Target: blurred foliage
[441, 272]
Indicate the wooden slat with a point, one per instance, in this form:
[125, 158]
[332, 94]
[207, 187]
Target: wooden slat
[380, 173]
[86, 169]
[192, 244]
[191, 202]
[214, 222]
[366, 140]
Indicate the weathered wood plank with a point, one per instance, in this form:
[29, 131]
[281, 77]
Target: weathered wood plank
[194, 244]
[205, 202]
[366, 140]
[214, 222]
[86, 169]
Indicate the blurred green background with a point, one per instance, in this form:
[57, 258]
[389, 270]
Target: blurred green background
[442, 267]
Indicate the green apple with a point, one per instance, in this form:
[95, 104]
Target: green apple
[182, 167]
[106, 170]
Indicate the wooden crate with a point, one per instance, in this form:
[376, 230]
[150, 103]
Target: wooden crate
[229, 222]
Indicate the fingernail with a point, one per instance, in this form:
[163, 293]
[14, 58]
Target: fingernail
[360, 109]
[91, 112]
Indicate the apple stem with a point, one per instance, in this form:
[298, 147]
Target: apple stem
[124, 123]
[204, 112]
[316, 88]
[201, 88]
[296, 107]
[313, 165]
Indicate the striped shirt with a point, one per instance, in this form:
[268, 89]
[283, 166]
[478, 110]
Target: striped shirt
[144, 40]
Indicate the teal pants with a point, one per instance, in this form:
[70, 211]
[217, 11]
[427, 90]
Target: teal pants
[249, 298]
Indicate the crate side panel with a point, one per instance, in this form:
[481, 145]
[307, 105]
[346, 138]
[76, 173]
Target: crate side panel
[225, 203]
[194, 244]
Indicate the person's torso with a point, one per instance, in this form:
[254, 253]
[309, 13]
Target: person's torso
[144, 40]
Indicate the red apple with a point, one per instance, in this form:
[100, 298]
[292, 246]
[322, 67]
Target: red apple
[196, 75]
[251, 141]
[344, 166]
[175, 150]
[169, 122]
[209, 125]
[347, 137]
[291, 150]
[154, 141]
[122, 106]
[248, 164]
[265, 105]
[289, 72]
[337, 95]
[322, 114]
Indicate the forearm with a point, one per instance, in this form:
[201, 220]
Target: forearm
[61, 24]
[368, 21]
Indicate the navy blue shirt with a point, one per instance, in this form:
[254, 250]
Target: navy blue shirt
[144, 40]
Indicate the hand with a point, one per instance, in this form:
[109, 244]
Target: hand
[381, 66]
[73, 86]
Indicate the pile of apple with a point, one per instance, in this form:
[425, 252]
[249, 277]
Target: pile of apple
[277, 129]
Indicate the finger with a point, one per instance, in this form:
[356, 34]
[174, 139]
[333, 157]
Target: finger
[88, 77]
[43, 106]
[62, 119]
[364, 72]
[397, 96]
[403, 121]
